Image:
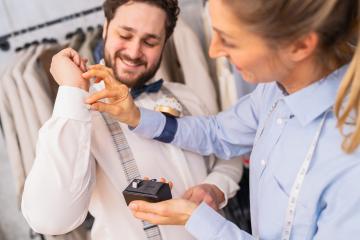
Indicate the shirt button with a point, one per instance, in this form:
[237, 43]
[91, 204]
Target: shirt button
[263, 162]
[279, 121]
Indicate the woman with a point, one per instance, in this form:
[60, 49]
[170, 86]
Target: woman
[301, 124]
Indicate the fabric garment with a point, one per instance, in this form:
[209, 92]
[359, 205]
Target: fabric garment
[194, 66]
[85, 49]
[328, 202]
[11, 137]
[68, 145]
[39, 86]
[22, 129]
[170, 67]
[31, 118]
[98, 51]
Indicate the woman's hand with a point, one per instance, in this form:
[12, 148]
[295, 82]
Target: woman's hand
[170, 212]
[120, 105]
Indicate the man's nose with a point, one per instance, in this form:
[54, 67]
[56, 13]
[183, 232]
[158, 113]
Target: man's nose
[134, 50]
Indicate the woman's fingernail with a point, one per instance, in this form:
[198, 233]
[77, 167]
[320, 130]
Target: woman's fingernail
[133, 206]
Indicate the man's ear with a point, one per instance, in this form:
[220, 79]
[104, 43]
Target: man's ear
[105, 28]
[304, 47]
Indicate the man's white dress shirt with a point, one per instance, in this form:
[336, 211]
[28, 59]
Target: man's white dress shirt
[77, 169]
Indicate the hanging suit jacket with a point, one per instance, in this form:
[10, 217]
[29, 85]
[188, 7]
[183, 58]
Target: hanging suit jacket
[39, 86]
[32, 120]
[86, 50]
[194, 66]
[22, 128]
[11, 137]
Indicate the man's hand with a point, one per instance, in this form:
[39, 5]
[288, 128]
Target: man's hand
[120, 103]
[170, 212]
[67, 67]
[208, 193]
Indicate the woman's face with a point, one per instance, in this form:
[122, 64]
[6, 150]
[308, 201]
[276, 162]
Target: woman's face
[251, 55]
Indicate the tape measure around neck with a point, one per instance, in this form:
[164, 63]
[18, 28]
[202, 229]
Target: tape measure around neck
[295, 189]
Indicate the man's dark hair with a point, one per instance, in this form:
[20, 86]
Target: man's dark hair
[169, 6]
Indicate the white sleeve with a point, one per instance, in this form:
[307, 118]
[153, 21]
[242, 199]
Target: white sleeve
[226, 175]
[58, 189]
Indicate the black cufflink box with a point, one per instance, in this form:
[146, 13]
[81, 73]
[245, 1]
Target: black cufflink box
[147, 190]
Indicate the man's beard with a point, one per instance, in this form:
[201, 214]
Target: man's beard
[136, 82]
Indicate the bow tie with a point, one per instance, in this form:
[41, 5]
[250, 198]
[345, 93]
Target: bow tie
[148, 88]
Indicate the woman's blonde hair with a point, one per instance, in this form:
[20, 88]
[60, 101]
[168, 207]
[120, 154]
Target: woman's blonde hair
[335, 22]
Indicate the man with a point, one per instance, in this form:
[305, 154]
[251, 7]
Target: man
[77, 167]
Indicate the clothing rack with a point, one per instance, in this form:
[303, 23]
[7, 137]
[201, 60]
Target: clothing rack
[5, 45]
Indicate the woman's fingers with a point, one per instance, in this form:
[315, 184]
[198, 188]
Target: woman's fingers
[98, 75]
[102, 95]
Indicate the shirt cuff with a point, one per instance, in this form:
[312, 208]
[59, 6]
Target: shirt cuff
[205, 223]
[70, 103]
[151, 123]
[225, 185]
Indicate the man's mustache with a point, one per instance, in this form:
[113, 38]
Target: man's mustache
[137, 61]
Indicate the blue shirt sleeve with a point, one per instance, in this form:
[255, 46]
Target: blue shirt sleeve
[151, 124]
[228, 134]
[206, 224]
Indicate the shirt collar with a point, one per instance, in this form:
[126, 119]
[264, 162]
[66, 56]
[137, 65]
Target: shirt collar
[310, 102]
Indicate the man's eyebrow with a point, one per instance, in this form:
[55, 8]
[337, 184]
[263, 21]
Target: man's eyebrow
[150, 35]
[147, 35]
[129, 29]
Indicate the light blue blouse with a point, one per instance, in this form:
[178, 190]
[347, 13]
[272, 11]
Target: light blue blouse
[329, 201]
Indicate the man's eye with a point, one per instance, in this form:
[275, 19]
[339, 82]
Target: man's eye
[150, 44]
[126, 37]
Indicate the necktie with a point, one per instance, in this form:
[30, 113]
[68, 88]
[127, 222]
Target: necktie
[148, 88]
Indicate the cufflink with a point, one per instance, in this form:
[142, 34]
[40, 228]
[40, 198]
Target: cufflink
[169, 106]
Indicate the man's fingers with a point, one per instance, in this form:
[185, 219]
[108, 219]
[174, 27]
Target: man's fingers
[211, 202]
[187, 195]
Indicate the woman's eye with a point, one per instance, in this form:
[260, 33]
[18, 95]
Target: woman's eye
[226, 43]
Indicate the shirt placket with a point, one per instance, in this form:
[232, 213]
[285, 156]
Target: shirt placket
[262, 154]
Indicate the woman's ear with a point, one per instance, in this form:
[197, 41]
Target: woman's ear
[304, 47]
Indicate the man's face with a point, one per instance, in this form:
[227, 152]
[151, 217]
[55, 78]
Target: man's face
[134, 42]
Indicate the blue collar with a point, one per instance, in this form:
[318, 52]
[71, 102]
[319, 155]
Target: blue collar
[310, 102]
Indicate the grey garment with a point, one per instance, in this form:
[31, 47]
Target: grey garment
[31, 117]
[77, 41]
[170, 68]
[39, 86]
[11, 139]
[17, 111]
[86, 49]
[12, 224]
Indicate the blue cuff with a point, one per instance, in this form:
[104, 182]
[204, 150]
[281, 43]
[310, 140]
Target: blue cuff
[205, 222]
[151, 123]
[168, 134]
